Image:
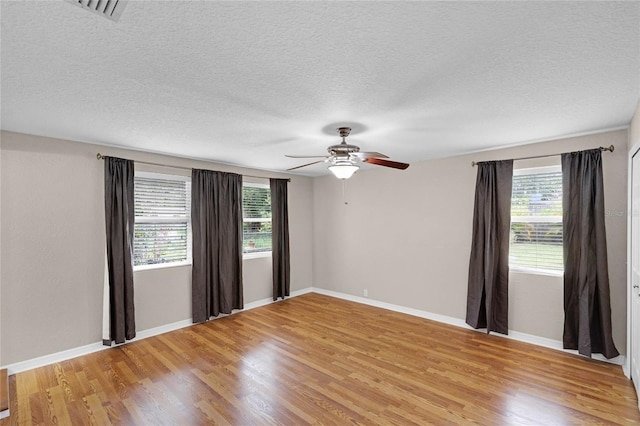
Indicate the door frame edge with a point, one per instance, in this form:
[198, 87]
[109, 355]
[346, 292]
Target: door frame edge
[626, 367]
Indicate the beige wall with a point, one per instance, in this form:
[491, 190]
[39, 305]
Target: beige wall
[52, 248]
[406, 236]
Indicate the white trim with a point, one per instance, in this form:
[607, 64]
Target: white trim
[152, 266]
[555, 344]
[4, 414]
[514, 335]
[533, 271]
[397, 308]
[256, 254]
[626, 368]
[41, 361]
[160, 330]
[30, 364]
[269, 300]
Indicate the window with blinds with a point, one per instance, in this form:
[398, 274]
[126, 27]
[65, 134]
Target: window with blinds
[162, 231]
[536, 220]
[256, 218]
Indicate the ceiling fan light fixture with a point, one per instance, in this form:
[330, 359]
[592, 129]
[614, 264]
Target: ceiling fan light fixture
[343, 169]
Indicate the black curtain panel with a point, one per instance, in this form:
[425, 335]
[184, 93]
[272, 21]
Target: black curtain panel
[587, 308]
[280, 237]
[119, 218]
[488, 287]
[216, 220]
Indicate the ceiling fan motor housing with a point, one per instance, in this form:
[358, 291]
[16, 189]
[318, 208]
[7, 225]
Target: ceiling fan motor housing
[343, 149]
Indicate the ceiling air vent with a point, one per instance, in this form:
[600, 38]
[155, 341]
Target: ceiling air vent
[110, 9]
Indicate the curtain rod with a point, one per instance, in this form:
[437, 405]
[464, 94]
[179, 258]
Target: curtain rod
[101, 157]
[610, 148]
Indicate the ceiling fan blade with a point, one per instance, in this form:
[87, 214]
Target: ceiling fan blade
[307, 156]
[305, 165]
[369, 155]
[386, 163]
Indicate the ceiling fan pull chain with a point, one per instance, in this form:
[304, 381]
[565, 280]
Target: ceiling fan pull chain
[344, 190]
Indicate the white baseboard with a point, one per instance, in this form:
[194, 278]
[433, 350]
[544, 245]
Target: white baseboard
[30, 364]
[270, 300]
[4, 414]
[41, 361]
[397, 308]
[95, 347]
[515, 335]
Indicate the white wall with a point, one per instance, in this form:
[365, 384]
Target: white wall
[52, 247]
[405, 236]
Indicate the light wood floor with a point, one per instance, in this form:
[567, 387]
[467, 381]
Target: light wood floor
[317, 359]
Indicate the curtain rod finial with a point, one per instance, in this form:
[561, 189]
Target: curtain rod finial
[99, 156]
[611, 148]
[473, 164]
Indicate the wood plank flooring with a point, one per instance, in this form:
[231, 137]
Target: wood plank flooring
[315, 359]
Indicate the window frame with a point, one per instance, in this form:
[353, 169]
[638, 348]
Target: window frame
[529, 219]
[255, 254]
[189, 248]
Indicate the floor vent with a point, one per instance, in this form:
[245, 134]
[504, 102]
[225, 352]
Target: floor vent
[110, 9]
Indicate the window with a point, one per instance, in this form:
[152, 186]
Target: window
[536, 220]
[256, 218]
[162, 231]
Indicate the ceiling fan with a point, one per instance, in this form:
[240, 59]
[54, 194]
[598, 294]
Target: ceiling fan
[344, 158]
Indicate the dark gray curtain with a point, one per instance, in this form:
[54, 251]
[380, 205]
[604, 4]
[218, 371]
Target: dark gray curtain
[488, 288]
[587, 308]
[280, 237]
[119, 218]
[216, 220]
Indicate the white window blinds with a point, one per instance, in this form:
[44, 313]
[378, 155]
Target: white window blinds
[256, 214]
[536, 220]
[162, 232]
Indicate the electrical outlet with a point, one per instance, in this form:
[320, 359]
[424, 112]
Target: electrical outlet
[366, 293]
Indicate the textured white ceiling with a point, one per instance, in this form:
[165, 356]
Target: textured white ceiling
[246, 83]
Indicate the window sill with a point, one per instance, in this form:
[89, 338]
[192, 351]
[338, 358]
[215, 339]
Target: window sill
[531, 271]
[256, 255]
[161, 266]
